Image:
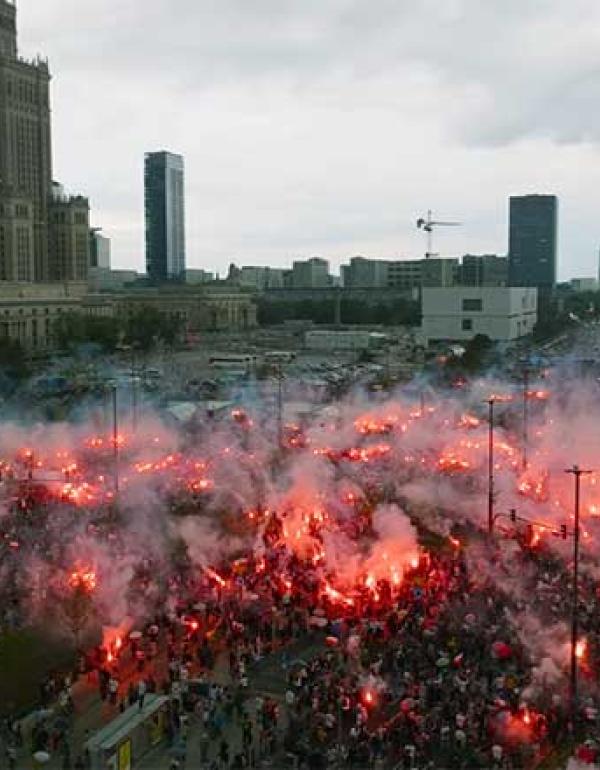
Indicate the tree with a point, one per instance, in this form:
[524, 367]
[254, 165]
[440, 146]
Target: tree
[74, 329]
[147, 326]
[13, 360]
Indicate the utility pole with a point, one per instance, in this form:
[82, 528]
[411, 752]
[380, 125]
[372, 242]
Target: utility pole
[115, 440]
[525, 415]
[577, 472]
[280, 405]
[491, 403]
[133, 391]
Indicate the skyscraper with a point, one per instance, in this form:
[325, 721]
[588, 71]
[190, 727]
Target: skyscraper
[533, 240]
[25, 157]
[165, 216]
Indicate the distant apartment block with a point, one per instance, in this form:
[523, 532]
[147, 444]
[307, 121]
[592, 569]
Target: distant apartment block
[196, 276]
[310, 274]
[483, 270]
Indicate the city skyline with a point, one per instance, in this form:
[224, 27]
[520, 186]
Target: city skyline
[327, 131]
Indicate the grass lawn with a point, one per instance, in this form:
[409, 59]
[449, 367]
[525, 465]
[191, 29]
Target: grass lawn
[25, 657]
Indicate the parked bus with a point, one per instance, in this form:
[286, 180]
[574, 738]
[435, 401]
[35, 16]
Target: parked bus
[233, 362]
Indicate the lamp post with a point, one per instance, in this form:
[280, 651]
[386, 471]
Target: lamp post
[577, 472]
[115, 439]
[491, 403]
[525, 415]
[134, 406]
[280, 405]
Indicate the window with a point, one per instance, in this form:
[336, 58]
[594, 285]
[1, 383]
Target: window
[467, 325]
[472, 305]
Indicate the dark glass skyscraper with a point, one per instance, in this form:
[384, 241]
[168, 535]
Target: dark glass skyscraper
[165, 216]
[533, 240]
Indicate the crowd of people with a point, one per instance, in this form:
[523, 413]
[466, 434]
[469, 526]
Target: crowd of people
[430, 673]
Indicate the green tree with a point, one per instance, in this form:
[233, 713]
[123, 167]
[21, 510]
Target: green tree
[74, 329]
[13, 360]
[147, 326]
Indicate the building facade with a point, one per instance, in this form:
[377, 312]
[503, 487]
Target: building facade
[29, 312]
[165, 216]
[533, 241]
[99, 249]
[260, 278]
[69, 237]
[310, 274]
[458, 314]
[197, 276]
[483, 270]
[25, 152]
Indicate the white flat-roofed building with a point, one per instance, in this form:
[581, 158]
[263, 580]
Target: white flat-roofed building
[460, 313]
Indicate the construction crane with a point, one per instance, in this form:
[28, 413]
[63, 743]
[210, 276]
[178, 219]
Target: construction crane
[428, 225]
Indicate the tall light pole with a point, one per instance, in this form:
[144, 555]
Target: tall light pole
[134, 407]
[577, 472]
[115, 439]
[491, 403]
[280, 405]
[525, 415]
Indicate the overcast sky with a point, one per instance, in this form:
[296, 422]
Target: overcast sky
[326, 127]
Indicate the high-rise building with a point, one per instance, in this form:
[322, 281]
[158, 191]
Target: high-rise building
[99, 249]
[533, 240]
[165, 216]
[25, 157]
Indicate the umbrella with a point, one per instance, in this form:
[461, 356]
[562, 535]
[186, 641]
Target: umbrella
[443, 662]
[41, 757]
[135, 635]
[331, 641]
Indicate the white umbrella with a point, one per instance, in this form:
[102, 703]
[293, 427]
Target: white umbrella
[41, 757]
[135, 635]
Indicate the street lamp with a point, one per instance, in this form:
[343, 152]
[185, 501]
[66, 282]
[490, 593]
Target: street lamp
[491, 402]
[115, 439]
[525, 415]
[577, 472]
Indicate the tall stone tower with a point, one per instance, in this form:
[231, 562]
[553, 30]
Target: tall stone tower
[25, 157]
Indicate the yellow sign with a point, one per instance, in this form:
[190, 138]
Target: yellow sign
[157, 728]
[125, 755]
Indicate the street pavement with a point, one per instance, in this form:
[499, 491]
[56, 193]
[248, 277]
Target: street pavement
[267, 678]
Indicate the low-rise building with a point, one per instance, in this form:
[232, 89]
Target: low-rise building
[310, 274]
[483, 270]
[29, 311]
[261, 278]
[584, 284]
[195, 276]
[459, 313]
[105, 279]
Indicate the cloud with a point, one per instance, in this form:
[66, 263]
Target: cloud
[326, 127]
